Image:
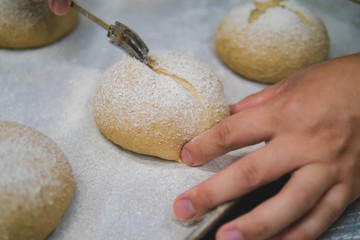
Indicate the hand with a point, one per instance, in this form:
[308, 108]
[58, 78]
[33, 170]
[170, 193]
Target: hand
[59, 7]
[310, 122]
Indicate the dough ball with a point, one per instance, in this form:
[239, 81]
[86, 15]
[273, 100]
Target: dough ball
[28, 24]
[36, 183]
[156, 110]
[267, 40]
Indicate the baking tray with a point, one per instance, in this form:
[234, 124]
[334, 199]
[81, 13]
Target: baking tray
[120, 194]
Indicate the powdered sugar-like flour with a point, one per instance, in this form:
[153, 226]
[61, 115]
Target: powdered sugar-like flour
[15, 11]
[155, 110]
[120, 194]
[32, 169]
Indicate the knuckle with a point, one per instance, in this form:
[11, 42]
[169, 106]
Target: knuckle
[203, 196]
[249, 174]
[290, 107]
[224, 134]
[303, 199]
[333, 209]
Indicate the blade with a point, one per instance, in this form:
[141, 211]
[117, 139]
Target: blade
[124, 37]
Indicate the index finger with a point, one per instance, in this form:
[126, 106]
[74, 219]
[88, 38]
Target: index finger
[242, 129]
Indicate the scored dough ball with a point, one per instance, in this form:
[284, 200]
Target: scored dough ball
[36, 183]
[156, 110]
[28, 24]
[268, 40]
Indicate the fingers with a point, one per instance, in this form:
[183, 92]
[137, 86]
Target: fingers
[258, 98]
[243, 176]
[320, 218]
[237, 131]
[60, 7]
[304, 189]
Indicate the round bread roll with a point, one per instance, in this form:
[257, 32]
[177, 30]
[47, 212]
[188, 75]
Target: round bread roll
[36, 183]
[267, 40]
[155, 110]
[29, 24]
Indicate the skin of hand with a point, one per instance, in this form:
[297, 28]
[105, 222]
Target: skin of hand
[310, 122]
[59, 7]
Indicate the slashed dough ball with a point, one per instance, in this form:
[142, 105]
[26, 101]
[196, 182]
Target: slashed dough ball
[267, 40]
[155, 111]
[28, 24]
[36, 183]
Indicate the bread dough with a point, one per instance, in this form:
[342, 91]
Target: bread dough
[36, 183]
[267, 40]
[28, 24]
[156, 111]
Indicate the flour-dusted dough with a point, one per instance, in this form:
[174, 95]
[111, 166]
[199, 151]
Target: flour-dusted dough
[28, 24]
[36, 183]
[269, 39]
[156, 111]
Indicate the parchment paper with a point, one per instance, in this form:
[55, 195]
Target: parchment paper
[120, 194]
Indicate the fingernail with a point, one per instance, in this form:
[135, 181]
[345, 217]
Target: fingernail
[186, 157]
[232, 105]
[233, 108]
[185, 209]
[232, 234]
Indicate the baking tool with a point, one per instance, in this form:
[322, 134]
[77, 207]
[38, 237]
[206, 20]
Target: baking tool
[120, 35]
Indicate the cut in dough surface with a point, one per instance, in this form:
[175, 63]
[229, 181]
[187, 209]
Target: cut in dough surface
[267, 40]
[36, 183]
[29, 24]
[156, 110]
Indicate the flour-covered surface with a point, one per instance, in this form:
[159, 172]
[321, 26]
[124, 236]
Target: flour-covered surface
[120, 194]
